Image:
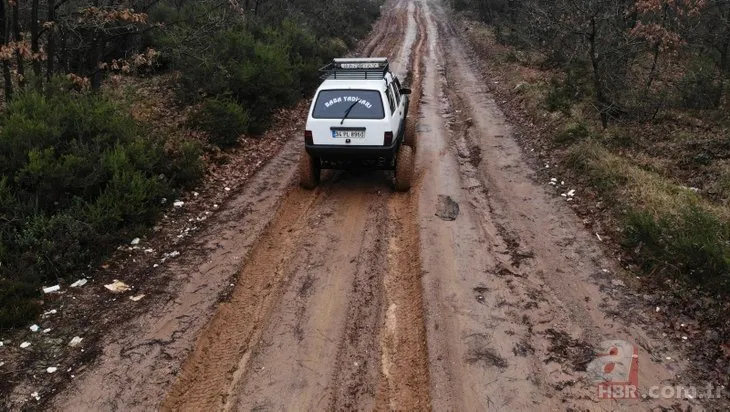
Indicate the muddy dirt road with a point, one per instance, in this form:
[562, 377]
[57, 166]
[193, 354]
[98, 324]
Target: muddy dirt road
[477, 290]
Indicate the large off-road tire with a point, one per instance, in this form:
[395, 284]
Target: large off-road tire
[404, 163]
[410, 137]
[309, 171]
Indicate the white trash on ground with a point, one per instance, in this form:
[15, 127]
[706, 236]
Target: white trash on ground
[117, 286]
[135, 241]
[51, 369]
[34, 328]
[179, 203]
[79, 283]
[136, 298]
[52, 289]
[24, 345]
[75, 341]
[170, 255]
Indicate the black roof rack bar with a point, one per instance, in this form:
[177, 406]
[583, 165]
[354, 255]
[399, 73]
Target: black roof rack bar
[356, 69]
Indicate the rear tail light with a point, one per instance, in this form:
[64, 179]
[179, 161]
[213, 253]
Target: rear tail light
[308, 139]
[388, 139]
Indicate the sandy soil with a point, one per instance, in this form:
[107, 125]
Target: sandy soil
[478, 290]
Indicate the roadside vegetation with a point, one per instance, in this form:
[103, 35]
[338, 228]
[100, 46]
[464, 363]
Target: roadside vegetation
[632, 97]
[80, 173]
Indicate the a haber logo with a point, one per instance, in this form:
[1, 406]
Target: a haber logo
[615, 370]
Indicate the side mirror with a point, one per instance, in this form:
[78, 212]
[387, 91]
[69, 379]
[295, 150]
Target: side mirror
[405, 90]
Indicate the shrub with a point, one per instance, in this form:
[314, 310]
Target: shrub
[186, 166]
[223, 119]
[19, 302]
[573, 132]
[692, 246]
[77, 177]
[559, 97]
[700, 87]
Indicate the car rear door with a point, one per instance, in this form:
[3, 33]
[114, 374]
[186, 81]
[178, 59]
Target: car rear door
[349, 117]
[397, 118]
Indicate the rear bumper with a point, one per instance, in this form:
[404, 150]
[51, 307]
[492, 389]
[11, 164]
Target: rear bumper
[343, 152]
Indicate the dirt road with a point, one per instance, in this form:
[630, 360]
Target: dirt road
[478, 290]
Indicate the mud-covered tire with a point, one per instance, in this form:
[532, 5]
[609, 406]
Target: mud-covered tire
[404, 168]
[410, 137]
[309, 171]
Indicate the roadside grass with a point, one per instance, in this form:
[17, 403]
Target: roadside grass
[672, 230]
[666, 183]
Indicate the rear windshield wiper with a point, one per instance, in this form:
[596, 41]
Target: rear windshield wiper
[347, 112]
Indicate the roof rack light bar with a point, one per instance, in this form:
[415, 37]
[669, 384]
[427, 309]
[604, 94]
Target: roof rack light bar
[356, 68]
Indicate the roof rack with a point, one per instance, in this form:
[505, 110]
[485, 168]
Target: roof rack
[368, 68]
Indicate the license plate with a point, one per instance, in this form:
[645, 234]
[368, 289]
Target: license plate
[348, 134]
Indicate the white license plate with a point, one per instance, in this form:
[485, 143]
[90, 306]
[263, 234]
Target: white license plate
[348, 134]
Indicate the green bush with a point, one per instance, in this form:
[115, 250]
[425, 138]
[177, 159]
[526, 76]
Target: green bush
[77, 177]
[692, 246]
[186, 166]
[560, 97]
[223, 119]
[19, 301]
[573, 132]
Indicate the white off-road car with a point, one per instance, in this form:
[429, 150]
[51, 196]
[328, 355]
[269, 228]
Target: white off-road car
[358, 118]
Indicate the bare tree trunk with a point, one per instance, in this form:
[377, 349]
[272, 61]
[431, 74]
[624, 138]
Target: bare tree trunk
[35, 43]
[5, 33]
[97, 49]
[18, 57]
[598, 84]
[51, 46]
[652, 72]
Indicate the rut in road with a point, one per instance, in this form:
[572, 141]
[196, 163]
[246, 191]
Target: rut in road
[327, 312]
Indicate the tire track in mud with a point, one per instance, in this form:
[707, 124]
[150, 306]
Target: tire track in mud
[291, 368]
[357, 374]
[229, 337]
[401, 340]
[404, 351]
[391, 34]
[385, 28]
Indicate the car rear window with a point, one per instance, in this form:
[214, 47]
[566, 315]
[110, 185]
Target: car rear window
[333, 104]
